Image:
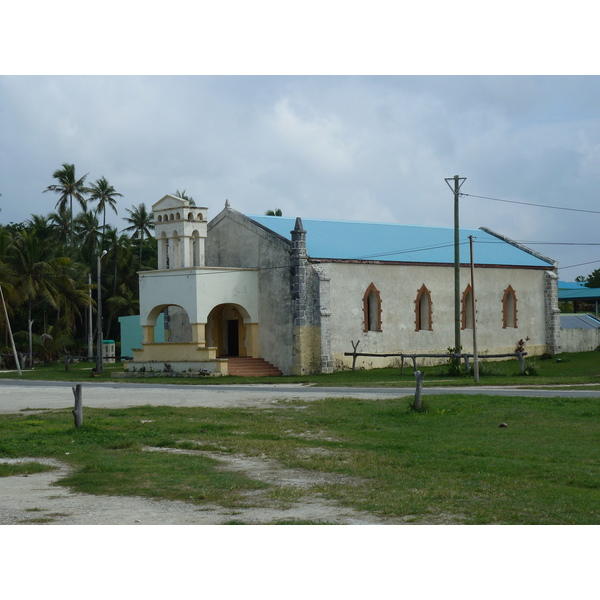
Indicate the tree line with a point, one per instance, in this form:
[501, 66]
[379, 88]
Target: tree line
[48, 269]
[592, 280]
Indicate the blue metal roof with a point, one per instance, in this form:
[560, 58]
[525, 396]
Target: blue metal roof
[579, 322]
[582, 293]
[571, 285]
[351, 240]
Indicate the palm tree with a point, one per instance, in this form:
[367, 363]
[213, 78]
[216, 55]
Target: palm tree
[69, 187]
[7, 276]
[87, 234]
[141, 223]
[34, 269]
[41, 225]
[120, 272]
[105, 195]
[274, 213]
[184, 196]
[72, 295]
[61, 225]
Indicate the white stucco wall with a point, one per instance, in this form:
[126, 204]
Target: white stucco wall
[399, 285]
[198, 291]
[579, 340]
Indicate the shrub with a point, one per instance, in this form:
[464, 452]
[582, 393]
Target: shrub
[531, 368]
[453, 368]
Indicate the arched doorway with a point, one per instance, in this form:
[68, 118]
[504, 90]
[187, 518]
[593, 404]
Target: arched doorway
[228, 331]
[176, 324]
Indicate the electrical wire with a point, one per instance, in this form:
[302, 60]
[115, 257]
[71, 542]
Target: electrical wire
[595, 212]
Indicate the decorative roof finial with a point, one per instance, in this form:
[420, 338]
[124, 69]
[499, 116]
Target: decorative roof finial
[227, 204]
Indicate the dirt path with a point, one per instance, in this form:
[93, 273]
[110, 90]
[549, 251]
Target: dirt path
[34, 499]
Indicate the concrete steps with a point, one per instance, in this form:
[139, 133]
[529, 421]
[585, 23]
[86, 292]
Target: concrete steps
[251, 367]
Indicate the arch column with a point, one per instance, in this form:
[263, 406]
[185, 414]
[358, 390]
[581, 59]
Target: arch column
[199, 334]
[251, 341]
[148, 333]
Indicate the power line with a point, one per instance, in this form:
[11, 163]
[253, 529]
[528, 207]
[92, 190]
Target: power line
[407, 251]
[591, 262]
[595, 212]
[532, 243]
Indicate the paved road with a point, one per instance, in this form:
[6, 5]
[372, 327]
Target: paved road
[17, 395]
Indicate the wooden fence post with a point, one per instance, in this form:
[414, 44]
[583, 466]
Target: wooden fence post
[419, 377]
[78, 411]
[521, 362]
[354, 346]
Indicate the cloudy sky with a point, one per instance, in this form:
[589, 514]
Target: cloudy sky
[370, 148]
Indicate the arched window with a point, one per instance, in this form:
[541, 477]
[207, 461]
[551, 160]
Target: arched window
[467, 308]
[423, 318]
[509, 308]
[372, 309]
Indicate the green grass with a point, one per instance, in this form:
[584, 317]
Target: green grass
[565, 369]
[28, 468]
[451, 464]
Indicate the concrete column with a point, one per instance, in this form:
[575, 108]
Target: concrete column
[148, 331]
[199, 334]
[251, 341]
[186, 252]
[162, 253]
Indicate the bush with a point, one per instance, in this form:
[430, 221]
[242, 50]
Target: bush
[488, 369]
[531, 368]
[453, 368]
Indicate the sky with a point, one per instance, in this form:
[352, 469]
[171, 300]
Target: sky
[366, 148]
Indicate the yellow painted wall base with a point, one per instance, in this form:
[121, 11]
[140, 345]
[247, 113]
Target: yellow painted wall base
[174, 352]
[307, 350]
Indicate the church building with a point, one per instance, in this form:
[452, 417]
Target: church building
[300, 293]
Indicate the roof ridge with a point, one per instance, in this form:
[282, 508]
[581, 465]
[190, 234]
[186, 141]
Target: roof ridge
[412, 225]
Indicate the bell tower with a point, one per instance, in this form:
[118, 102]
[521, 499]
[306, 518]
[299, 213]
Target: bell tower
[180, 230]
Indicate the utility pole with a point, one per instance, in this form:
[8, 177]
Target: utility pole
[90, 324]
[99, 365]
[458, 181]
[12, 340]
[474, 309]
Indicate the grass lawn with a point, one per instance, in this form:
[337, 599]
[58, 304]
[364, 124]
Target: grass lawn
[451, 464]
[566, 369]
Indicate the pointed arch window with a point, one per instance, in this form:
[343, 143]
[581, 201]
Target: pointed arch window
[467, 308]
[509, 308]
[423, 310]
[372, 309]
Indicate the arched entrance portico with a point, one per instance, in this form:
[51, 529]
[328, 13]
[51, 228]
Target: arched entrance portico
[229, 329]
[176, 324]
